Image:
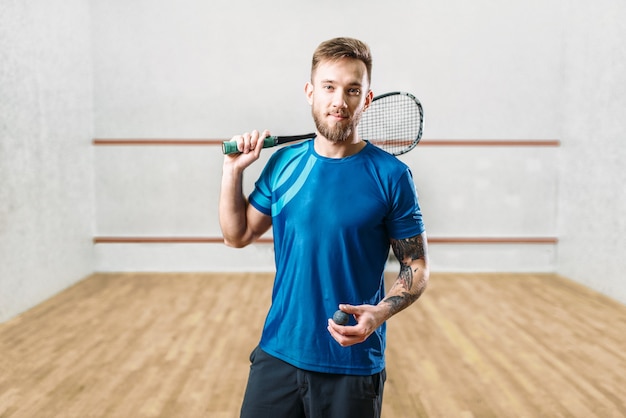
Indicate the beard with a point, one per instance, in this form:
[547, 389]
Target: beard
[338, 132]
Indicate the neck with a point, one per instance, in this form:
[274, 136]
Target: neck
[343, 149]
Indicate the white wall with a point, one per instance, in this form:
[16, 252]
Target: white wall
[192, 68]
[592, 204]
[196, 69]
[46, 164]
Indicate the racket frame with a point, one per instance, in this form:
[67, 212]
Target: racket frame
[420, 110]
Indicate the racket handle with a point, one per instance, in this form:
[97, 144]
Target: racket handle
[230, 147]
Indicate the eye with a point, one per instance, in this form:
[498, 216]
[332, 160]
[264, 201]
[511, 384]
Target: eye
[328, 87]
[354, 92]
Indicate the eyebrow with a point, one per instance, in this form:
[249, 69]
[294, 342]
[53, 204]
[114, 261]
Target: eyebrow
[354, 83]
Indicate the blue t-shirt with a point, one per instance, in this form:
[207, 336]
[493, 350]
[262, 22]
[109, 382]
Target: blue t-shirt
[332, 220]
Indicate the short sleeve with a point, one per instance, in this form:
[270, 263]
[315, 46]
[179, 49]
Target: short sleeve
[405, 217]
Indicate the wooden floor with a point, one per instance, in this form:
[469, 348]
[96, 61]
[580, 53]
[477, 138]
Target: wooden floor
[165, 345]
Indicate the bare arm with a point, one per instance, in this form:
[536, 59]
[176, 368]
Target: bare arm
[408, 287]
[413, 276]
[241, 223]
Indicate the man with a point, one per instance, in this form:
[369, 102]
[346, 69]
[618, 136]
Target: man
[336, 204]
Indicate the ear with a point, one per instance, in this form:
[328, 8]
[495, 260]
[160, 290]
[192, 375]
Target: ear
[308, 90]
[368, 99]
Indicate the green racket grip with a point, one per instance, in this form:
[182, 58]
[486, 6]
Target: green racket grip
[230, 147]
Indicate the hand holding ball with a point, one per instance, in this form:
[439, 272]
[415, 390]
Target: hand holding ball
[341, 318]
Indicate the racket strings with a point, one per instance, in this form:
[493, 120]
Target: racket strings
[393, 123]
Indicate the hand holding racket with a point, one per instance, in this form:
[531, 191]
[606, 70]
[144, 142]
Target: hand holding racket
[393, 122]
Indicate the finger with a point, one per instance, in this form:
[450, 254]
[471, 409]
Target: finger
[334, 326]
[246, 143]
[343, 330]
[350, 309]
[260, 140]
[344, 339]
[256, 142]
[335, 331]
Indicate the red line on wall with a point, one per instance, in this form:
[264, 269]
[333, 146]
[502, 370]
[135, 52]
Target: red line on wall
[491, 143]
[264, 240]
[426, 142]
[152, 142]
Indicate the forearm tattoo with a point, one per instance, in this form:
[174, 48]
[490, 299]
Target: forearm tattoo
[406, 251]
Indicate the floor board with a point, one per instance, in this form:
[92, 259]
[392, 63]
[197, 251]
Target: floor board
[177, 345]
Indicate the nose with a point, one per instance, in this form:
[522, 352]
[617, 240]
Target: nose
[339, 99]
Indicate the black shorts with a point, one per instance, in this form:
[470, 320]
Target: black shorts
[279, 390]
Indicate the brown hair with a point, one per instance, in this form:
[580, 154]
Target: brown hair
[338, 48]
